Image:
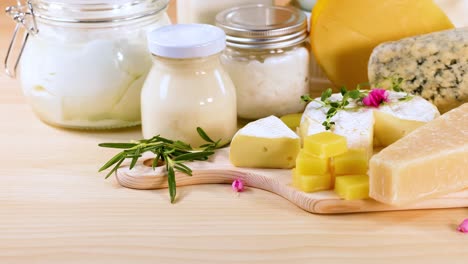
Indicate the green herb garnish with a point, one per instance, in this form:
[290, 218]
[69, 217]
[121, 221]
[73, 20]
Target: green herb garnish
[173, 153]
[335, 106]
[349, 96]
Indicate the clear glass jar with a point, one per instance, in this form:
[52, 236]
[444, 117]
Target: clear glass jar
[267, 58]
[85, 64]
[187, 86]
[204, 11]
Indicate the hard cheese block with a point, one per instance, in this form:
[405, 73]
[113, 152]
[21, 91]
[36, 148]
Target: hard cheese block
[344, 33]
[434, 66]
[265, 143]
[432, 160]
[360, 125]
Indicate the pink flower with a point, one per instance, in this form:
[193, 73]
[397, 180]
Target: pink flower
[238, 185]
[376, 97]
[463, 227]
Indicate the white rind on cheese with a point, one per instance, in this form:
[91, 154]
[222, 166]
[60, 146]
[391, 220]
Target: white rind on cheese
[268, 127]
[416, 108]
[356, 123]
[433, 66]
[265, 143]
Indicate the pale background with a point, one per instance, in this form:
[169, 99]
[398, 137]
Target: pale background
[56, 208]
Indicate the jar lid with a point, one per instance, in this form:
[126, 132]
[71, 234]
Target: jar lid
[184, 41]
[96, 11]
[261, 26]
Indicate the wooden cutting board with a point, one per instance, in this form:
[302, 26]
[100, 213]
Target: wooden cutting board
[219, 170]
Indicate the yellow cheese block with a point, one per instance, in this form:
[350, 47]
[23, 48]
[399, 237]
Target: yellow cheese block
[308, 164]
[265, 143]
[313, 183]
[354, 161]
[344, 33]
[352, 187]
[325, 144]
[430, 161]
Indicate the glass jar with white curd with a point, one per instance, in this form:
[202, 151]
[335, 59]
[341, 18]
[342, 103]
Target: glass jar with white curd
[84, 62]
[267, 57]
[187, 86]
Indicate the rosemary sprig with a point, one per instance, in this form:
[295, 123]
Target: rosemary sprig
[172, 152]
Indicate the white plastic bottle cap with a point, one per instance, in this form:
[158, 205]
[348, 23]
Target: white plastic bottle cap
[185, 41]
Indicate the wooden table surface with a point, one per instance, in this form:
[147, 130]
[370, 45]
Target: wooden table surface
[56, 208]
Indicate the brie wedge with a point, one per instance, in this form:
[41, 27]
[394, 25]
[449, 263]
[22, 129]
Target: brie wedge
[265, 143]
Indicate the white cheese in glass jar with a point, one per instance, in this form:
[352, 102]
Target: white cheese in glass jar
[267, 58]
[204, 11]
[85, 64]
[187, 86]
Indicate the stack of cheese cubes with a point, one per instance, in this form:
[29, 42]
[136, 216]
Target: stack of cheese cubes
[325, 163]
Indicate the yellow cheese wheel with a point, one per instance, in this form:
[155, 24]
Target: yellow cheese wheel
[344, 32]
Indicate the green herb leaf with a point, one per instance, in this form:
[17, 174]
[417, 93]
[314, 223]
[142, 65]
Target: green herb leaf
[171, 183]
[118, 145]
[343, 90]
[112, 161]
[326, 94]
[354, 94]
[203, 135]
[115, 168]
[194, 156]
[306, 98]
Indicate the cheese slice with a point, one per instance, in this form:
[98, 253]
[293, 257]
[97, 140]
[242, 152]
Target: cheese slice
[265, 143]
[366, 127]
[398, 118]
[430, 161]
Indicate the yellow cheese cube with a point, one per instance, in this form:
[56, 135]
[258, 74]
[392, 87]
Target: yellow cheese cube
[292, 120]
[355, 161]
[307, 164]
[314, 183]
[352, 187]
[325, 144]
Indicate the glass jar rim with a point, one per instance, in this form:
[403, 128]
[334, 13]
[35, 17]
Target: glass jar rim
[96, 11]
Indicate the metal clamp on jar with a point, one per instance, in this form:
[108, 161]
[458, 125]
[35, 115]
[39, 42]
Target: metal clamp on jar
[82, 63]
[267, 58]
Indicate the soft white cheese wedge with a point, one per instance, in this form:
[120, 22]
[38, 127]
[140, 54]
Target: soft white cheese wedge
[397, 119]
[366, 127]
[356, 124]
[265, 143]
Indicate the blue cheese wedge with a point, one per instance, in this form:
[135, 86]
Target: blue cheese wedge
[433, 66]
[265, 143]
[369, 127]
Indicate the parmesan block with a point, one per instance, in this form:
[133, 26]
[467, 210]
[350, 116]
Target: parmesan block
[430, 161]
[434, 66]
[344, 32]
[265, 143]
